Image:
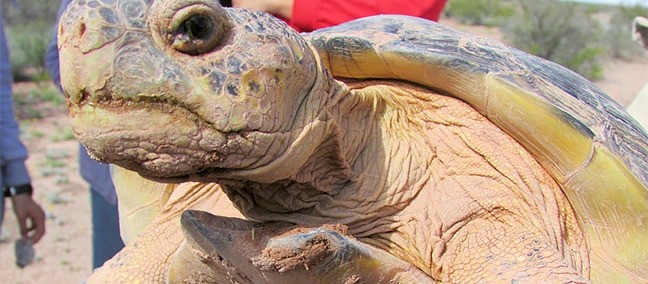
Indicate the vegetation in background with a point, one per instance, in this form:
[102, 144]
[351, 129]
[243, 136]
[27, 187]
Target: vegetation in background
[63, 134]
[563, 32]
[619, 28]
[576, 35]
[479, 12]
[29, 25]
[27, 45]
[54, 164]
[27, 104]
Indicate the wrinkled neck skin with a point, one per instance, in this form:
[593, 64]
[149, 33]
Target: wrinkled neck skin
[417, 174]
[344, 179]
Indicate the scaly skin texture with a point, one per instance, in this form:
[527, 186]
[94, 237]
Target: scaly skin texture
[249, 108]
[527, 228]
[468, 202]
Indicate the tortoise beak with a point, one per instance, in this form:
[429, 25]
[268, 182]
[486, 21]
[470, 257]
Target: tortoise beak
[78, 36]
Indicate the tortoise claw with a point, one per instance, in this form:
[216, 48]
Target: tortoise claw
[219, 249]
[324, 255]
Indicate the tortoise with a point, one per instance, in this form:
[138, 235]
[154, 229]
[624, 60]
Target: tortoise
[386, 149]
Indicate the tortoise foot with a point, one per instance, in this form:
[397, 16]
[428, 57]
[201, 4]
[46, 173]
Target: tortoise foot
[221, 249]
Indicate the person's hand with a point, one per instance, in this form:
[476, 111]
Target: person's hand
[282, 8]
[27, 209]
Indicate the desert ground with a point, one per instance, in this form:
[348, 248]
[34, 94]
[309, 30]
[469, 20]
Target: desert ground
[64, 253]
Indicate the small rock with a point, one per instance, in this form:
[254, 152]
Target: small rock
[24, 252]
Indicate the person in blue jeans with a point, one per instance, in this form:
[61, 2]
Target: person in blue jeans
[14, 177]
[106, 239]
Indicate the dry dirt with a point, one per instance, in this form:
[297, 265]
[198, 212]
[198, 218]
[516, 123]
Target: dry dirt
[63, 255]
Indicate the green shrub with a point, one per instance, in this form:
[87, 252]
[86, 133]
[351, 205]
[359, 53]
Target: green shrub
[63, 134]
[479, 12]
[27, 45]
[27, 11]
[29, 27]
[617, 34]
[563, 32]
[25, 108]
[37, 101]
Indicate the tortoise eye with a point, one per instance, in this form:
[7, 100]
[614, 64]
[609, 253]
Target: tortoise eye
[195, 31]
[197, 27]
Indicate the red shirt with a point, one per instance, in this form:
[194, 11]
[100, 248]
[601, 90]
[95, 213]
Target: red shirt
[309, 15]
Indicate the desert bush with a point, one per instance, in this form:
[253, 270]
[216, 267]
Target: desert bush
[617, 35]
[64, 133]
[563, 32]
[26, 11]
[479, 12]
[28, 25]
[27, 45]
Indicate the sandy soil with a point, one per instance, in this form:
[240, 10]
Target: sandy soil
[63, 255]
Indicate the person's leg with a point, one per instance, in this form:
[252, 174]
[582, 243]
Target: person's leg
[2, 209]
[106, 241]
[5, 86]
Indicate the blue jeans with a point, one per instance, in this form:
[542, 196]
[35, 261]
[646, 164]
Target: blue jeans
[106, 241]
[2, 208]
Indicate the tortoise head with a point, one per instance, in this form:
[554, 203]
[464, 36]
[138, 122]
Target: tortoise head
[179, 90]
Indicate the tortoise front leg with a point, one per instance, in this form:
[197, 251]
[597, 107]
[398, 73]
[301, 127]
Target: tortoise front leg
[150, 248]
[232, 250]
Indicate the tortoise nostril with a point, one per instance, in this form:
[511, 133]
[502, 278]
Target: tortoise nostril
[82, 29]
[85, 95]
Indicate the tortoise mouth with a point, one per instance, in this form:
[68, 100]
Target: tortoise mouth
[157, 139]
[206, 175]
